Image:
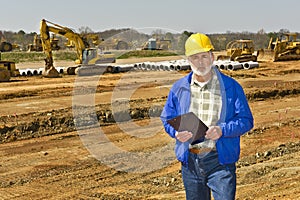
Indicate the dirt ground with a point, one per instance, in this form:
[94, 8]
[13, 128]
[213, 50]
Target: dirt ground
[59, 140]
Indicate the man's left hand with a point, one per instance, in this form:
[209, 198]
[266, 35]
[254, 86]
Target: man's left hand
[213, 133]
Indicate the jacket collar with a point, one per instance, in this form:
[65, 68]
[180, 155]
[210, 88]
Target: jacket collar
[225, 83]
[188, 79]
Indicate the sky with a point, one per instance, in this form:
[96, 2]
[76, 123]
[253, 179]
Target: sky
[217, 16]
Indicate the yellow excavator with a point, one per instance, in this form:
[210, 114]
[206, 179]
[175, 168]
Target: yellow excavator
[90, 39]
[285, 47]
[86, 56]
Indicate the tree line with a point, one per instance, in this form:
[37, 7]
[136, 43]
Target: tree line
[219, 40]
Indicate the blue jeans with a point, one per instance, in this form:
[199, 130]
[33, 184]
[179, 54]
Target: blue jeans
[204, 175]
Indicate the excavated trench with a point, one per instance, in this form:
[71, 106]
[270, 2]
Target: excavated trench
[39, 124]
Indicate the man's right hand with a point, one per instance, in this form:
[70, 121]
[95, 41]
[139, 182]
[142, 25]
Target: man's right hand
[183, 136]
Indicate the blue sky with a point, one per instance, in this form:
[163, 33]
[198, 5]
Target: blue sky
[218, 16]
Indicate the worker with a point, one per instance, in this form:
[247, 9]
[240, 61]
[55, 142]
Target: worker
[208, 166]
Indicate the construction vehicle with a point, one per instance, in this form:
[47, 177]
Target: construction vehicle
[7, 70]
[4, 45]
[240, 51]
[115, 44]
[121, 44]
[37, 43]
[285, 47]
[90, 39]
[85, 55]
[157, 44]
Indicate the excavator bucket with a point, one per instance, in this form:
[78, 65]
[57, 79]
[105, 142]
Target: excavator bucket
[51, 73]
[266, 55]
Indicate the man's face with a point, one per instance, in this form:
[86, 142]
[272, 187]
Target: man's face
[201, 63]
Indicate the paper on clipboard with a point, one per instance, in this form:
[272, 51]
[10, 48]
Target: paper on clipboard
[189, 122]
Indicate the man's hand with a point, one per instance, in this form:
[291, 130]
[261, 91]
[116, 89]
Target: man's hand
[183, 136]
[213, 133]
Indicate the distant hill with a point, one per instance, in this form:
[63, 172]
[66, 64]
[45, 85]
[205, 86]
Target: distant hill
[109, 33]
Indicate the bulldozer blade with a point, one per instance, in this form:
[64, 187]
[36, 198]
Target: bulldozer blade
[265, 55]
[51, 73]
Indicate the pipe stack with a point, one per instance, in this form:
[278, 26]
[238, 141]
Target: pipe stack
[233, 65]
[173, 65]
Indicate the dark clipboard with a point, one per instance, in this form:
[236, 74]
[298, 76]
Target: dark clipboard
[189, 122]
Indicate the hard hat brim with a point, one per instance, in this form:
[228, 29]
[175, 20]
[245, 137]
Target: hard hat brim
[190, 53]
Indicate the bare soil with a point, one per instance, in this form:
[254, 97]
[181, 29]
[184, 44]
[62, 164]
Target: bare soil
[46, 124]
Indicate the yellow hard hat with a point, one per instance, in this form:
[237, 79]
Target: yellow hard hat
[197, 43]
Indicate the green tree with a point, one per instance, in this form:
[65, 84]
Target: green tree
[181, 41]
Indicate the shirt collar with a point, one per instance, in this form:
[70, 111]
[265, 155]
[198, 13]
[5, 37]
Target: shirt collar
[209, 84]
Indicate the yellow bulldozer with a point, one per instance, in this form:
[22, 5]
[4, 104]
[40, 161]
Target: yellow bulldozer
[285, 47]
[7, 70]
[114, 44]
[240, 51]
[37, 43]
[6, 46]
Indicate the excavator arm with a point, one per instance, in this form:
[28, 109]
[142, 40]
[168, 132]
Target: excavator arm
[49, 70]
[76, 39]
[85, 54]
[68, 33]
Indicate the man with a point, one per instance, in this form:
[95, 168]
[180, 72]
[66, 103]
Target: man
[219, 101]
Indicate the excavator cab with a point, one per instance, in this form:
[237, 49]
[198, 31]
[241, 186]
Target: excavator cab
[88, 55]
[96, 56]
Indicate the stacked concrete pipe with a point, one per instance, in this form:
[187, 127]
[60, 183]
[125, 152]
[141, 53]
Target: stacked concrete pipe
[250, 65]
[173, 65]
[234, 66]
[123, 68]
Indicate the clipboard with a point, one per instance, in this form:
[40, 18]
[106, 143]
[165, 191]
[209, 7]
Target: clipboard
[189, 122]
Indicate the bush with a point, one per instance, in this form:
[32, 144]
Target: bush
[146, 53]
[19, 57]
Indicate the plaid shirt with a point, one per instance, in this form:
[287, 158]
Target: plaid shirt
[206, 103]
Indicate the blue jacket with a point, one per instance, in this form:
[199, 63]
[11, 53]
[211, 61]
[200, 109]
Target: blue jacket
[235, 119]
